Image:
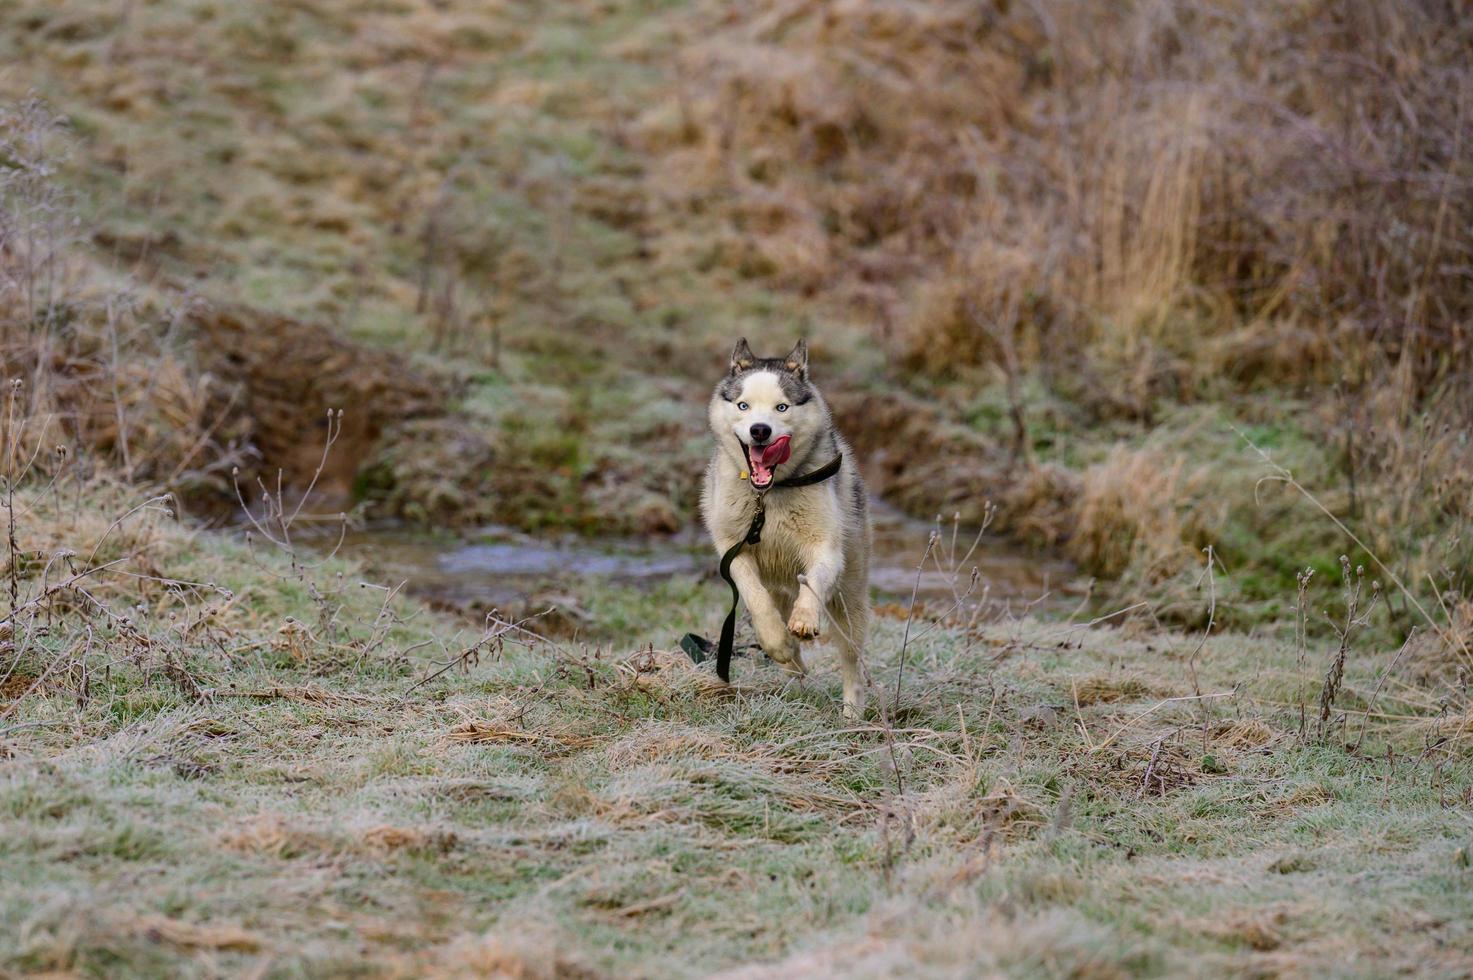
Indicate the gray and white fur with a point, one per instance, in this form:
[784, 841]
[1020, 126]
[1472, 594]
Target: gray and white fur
[810, 572]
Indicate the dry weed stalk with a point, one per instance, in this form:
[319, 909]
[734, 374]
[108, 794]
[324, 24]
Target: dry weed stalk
[1301, 638]
[1354, 620]
[37, 220]
[931, 542]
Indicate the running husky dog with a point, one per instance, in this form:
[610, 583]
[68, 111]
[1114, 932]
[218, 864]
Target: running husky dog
[810, 572]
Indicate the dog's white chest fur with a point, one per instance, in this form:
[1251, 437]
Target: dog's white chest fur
[797, 521]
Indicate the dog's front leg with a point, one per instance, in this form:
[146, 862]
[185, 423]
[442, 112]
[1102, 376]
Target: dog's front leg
[768, 622]
[823, 563]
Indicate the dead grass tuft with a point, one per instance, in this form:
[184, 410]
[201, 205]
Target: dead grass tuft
[386, 839]
[1039, 505]
[1107, 689]
[1250, 733]
[476, 732]
[670, 672]
[17, 684]
[504, 956]
[269, 835]
[661, 739]
[962, 811]
[1302, 798]
[194, 935]
[1261, 929]
[1132, 515]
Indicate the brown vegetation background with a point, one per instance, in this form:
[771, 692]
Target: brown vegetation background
[1070, 258]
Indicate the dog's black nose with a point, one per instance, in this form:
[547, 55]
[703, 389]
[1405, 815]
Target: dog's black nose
[761, 433]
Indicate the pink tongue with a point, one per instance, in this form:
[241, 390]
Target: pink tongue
[776, 454]
[771, 456]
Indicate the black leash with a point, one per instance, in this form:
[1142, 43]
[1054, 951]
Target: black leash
[698, 647]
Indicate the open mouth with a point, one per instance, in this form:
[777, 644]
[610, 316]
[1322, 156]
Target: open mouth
[762, 460]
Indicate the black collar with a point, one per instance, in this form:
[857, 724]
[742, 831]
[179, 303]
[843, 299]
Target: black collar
[817, 476]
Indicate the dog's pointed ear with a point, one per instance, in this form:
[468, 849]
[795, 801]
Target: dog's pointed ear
[797, 360]
[742, 357]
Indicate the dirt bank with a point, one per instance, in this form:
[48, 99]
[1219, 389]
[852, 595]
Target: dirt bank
[289, 374]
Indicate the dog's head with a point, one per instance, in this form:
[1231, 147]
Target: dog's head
[766, 413]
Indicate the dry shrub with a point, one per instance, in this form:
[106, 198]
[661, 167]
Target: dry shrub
[113, 386]
[1133, 178]
[1406, 479]
[917, 459]
[1133, 514]
[1443, 656]
[91, 362]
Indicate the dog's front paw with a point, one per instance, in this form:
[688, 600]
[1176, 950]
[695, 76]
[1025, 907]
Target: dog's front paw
[805, 620]
[780, 646]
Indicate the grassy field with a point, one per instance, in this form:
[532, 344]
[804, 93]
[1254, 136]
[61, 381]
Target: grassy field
[1172, 303]
[267, 773]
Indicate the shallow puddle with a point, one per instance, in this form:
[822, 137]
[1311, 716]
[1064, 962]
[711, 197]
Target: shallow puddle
[501, 567]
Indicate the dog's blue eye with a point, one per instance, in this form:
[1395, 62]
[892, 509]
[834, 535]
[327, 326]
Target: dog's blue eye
[742, 405]
[783, 407]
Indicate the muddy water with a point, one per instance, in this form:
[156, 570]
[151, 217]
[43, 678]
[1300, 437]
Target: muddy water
[500, 567]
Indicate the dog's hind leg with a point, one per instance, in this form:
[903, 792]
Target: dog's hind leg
[850, 617]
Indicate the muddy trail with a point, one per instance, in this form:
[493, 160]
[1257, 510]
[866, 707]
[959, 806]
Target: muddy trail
[501, 568]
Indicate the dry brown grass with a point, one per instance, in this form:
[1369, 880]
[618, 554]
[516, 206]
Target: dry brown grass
[1261, 929]
[194, 935]
[477, 732]
[1133, 181]
[660, 739]
[1099, 689]
[269, 835]
[1132, 514]
[1248, 733]
[521, 954]
[669, 672]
